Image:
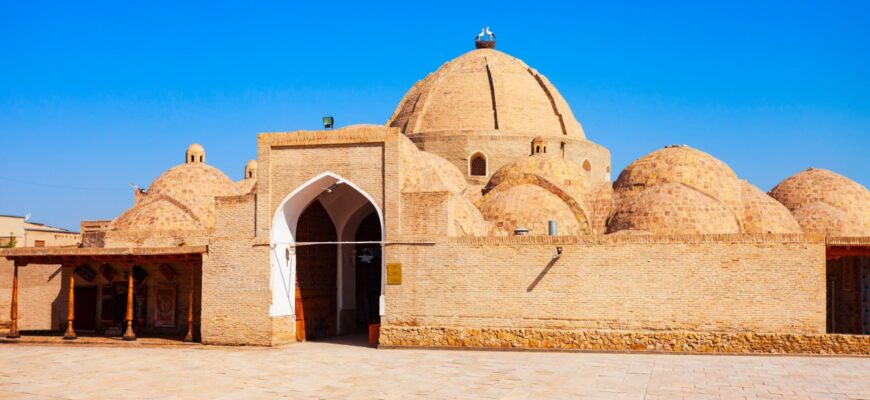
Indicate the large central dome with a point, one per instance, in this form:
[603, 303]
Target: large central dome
[487, 90]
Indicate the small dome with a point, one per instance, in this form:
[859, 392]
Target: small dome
[426, 172]
[486, 90]
[195, 154]
[824, 219]
[465, 218]
[558, 171]
[806, 189]
[251, 169]
[680, 164]
[158, 215]
[673, 208]
[531, 206]
[763, 214]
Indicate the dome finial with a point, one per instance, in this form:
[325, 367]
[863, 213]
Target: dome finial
[485, 39]
[195, 154]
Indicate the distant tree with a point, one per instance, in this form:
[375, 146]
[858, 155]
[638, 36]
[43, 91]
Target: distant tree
[12, 241]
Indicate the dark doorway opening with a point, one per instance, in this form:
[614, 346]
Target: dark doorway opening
[85, 308]
[848, 295]
[316, 270]
[367, 267]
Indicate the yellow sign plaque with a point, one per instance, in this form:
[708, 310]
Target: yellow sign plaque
[394, 273]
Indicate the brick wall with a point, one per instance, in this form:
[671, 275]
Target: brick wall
[715, 283]
[236, 293]
[40, 304]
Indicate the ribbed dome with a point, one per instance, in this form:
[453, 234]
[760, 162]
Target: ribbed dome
[531, 206]
[487, 90]
[567, 175]
[824, 192]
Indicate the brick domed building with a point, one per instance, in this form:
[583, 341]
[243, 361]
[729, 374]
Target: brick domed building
[436, 229]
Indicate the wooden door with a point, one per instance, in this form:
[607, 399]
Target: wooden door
[85, 308]
[316, 269]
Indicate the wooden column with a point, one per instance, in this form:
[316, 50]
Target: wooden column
[192, 285]
[129, 334]
[13, 314]
[70, 307]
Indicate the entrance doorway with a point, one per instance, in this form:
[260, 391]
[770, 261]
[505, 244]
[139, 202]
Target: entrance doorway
[316, 265]
[326, 245]
[367, 268]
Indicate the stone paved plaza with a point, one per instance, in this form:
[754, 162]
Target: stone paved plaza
[342, 371]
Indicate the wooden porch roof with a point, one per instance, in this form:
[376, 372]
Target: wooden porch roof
[84, 255]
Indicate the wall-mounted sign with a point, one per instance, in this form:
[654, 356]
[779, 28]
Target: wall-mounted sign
[394, 273]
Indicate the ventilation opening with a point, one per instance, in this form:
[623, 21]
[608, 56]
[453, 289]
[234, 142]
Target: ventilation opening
[587, 166]
[477, 165]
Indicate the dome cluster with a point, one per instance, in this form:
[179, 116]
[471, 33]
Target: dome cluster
[681, 190]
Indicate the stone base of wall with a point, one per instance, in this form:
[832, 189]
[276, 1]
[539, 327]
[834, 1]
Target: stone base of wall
[283, 330]
[607, 340]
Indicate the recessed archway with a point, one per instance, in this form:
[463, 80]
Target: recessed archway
[345, 207]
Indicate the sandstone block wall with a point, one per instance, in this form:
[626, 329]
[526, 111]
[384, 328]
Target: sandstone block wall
[713, 283]
[616, 340]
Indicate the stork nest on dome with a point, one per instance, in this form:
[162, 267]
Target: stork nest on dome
[485, 39]
[484, 44]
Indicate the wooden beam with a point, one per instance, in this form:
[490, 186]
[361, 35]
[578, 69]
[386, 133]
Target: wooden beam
[848, 251]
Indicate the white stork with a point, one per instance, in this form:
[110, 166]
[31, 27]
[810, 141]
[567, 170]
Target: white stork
[489, 32]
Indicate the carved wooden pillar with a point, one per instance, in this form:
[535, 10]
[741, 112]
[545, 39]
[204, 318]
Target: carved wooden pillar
[129, 334]
[189, 337]
[71, 304]
[13, 314]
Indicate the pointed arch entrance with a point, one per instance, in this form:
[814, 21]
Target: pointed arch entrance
[327, 269]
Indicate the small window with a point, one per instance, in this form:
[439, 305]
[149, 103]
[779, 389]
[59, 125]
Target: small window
[587, 166]
[250, 174]
[192, 159]
[477, 165]
[39, 243]
[562, 149]
[537, 149]
[200, 158]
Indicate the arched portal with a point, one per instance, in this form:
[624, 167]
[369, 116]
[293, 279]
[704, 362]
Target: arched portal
[313, 230]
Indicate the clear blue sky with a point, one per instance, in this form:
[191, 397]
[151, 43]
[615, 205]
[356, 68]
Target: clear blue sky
[94, 96]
